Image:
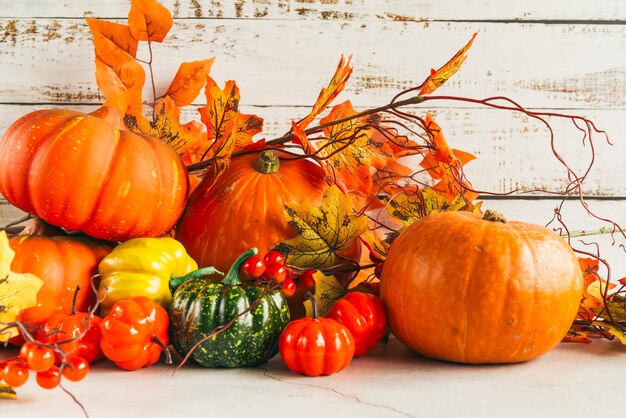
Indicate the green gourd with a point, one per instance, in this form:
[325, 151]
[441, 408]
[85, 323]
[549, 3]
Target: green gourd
[200, 305]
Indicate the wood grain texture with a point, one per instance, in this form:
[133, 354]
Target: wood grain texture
[419, 10]
[287, 62]
[564, 56]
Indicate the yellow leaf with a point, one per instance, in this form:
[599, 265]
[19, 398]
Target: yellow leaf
[17, 291]
[324, 233]
[6, 391]
[327, 291]
[408, 208]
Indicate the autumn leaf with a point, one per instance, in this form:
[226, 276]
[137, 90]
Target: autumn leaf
[590, 302]
[121, 85]
[440, 152]
[17, 291]
[350, 150]
[189, 80]
[327, 291]
[300, 137]
[328, 94]
[220, 109]
[114, 43]
[149, 21]
[406, 206]
[246, 127]
[166, 126]
[324, 233]
[438, 77]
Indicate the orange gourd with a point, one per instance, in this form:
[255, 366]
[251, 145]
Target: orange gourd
[468, 289]
[62, 263]
[244, 208]
[78, 172]
[316, 346]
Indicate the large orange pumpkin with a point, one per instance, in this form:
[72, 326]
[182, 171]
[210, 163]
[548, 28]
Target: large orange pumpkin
[78, 172]
[62, 262]
[463, 288]
[244, 208]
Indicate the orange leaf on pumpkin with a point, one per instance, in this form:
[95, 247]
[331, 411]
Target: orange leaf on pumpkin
[221, 108]
[328, 94]
[166, 126]
[121, 85]
[438, 77]
[245, 128]
[114, 43]
[189, 80]
[149, 21]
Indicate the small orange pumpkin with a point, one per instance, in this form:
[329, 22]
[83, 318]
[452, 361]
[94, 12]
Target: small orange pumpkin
[244, 208]
[78, 172]
[467, 289]
[62, 262]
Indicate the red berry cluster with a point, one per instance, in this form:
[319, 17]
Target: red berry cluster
[271, 267]
[41, 360]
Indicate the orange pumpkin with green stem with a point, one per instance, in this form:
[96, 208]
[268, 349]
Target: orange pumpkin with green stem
[472, 289]
[244, 208]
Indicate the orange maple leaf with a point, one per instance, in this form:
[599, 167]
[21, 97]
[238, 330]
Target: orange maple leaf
[149, 21]
[114, 43]
[189, 80]
[438, 77]
[328, 94]
[350, 151]
[121, 85]
[446, 164]
[245, 128]
[166, 126]
[221, 108]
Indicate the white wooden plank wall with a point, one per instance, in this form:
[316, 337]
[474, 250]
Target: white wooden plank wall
[560, 55]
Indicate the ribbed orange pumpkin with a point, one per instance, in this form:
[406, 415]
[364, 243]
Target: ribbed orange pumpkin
[62, 263]
[245, 207]
[78, 172]
[463, 288]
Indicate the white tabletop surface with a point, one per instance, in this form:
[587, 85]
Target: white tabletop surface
[391, 381]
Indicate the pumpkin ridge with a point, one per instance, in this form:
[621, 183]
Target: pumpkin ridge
[63, 127]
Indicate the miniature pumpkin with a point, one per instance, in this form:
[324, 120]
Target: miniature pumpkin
[467, 289]
[244, 208]
[316, 346]
[63, 263]
[78, 172]
[253, 314]
[364, 315]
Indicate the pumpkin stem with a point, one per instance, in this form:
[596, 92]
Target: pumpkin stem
[267, 162]
[494, 216]
[232, 277]
[74, 299]
[176, 281]
[311, 299]
[168, 355]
